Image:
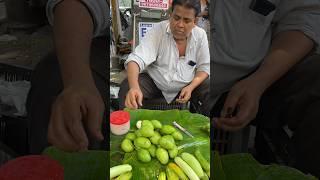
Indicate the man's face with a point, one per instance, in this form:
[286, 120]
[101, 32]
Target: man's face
[182, 20]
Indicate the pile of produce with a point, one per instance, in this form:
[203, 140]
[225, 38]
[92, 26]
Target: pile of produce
[187, 166]
[153, 140]
[156, 149]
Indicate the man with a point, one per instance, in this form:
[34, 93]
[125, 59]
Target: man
[173, 57]
[266, 59]
[69, 87]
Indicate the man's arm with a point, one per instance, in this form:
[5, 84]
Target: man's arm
[186, 92]
[73, 33]
[144, 55]
[134, 96]
[288, 48]
[198, 79]
[79, 104]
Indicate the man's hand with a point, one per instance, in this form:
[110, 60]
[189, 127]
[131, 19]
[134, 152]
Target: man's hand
[185, 94]
[288, 48]
[242, 102]
[134, 98]
[77, 110]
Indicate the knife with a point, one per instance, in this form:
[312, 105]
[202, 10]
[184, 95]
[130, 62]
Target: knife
[182, 129]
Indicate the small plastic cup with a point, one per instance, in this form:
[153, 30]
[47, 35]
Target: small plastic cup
[119, 122]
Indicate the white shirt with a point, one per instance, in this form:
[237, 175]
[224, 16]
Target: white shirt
[158, 55]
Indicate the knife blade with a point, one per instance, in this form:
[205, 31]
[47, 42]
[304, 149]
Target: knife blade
[182, 129]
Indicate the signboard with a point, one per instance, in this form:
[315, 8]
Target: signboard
[154, 4]
[143, 28]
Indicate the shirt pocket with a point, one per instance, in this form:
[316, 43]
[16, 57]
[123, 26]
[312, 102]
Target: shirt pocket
[260, 19]
[186, 70]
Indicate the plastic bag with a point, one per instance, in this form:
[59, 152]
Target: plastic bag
[14, 95]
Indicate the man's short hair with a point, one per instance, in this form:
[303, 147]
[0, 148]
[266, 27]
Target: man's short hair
[193, 4]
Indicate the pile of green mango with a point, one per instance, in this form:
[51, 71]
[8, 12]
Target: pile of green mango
[153, 140]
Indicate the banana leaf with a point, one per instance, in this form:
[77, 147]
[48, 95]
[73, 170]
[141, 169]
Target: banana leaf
[149, 171]
[217, 167]
[243, 166]
[81, 165]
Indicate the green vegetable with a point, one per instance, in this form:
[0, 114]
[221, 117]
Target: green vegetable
[156, 124]
[177, 136]
[147, 131]
[162, 155]
[155, 138]
[208, 173]
[162, 176]
[147, 123]
[186, 168]
[131, 136]
[127, 146]
[120, 169]
[193, 163]
[138, 133]
[173, 152]
[125, 176]
[152, 150]
[178, 171]
[144, 155]
[171, 175]
[204, 177]
[167, 142]
[204, 163]
[206, 128]
[142, 142]
[167, 129]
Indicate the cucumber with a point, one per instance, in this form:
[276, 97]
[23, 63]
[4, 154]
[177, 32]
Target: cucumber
[204, 177]
[178, 171]
[204, 163]
[171, 175]
[162, 176]
[120, 169]
[193, 163]
[186, 168]
[125, 176]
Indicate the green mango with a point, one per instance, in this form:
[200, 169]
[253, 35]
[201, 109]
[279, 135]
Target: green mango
[162, 155]
[177, 136]
[156, 124]
[173, 152]
[144, 155]
[155, 138]
[146, 123]
[131, 136]
[167, 142]
[142, 142]
[152, 150]
[167, 129]
[127, 146]
[147, 131]
[138, 133]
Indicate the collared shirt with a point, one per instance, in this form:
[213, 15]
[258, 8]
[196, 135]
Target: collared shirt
[241, 37]
[158, 55]
[99, 10]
